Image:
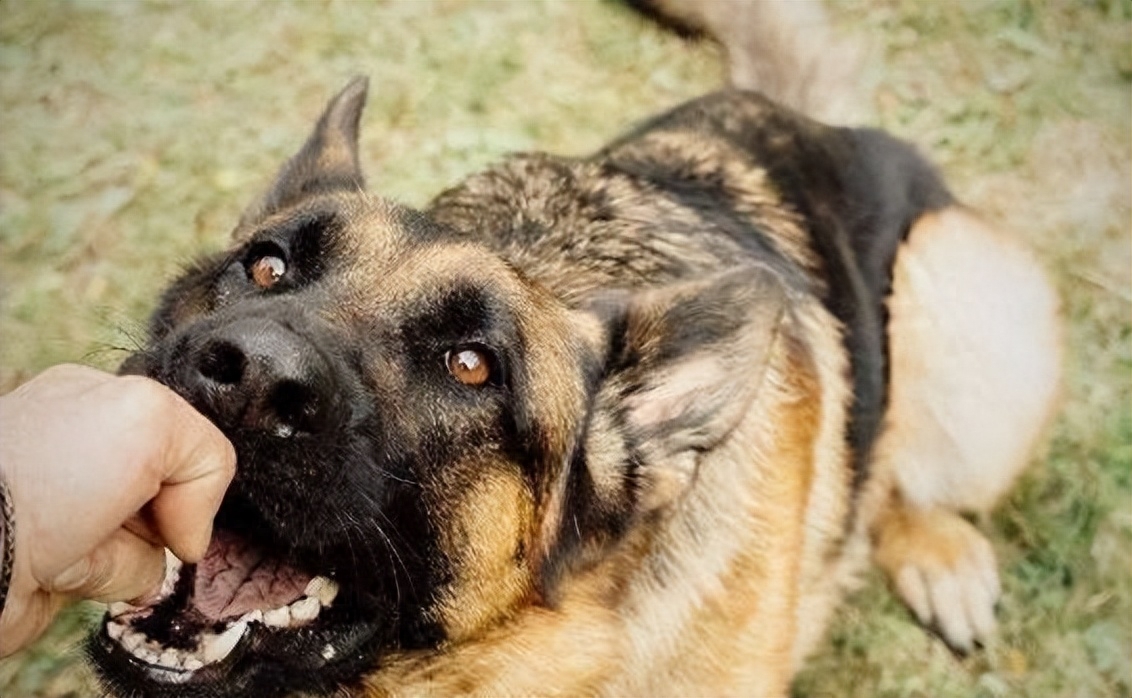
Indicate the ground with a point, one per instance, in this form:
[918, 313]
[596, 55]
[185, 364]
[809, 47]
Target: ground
[132, 134]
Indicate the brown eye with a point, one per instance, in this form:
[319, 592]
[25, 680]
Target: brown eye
[267, 270]
[469, 366]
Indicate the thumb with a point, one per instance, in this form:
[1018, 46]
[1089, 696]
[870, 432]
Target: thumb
[198, 465]
[124, 567]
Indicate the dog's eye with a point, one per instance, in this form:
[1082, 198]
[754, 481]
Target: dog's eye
[266, 271]
[469, 365]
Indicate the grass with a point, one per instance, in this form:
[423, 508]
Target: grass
[133, 133]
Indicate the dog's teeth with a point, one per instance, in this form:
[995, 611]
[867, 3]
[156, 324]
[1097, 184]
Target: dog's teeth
[172, 573]
[170, 658]
[322, 589]
[253, 616]
[304, 609]
[115, 630]
[278, 617]
[192, 664]
[218, 647]
[146, 655]
[131, 640]
[314, 586]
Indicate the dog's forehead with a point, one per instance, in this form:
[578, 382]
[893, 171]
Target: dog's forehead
[360, 237]
[378, 255]
[411, 274]
[372, 233]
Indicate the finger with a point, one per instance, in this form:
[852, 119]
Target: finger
[122, 568]
[198, 464]
[65, 379]
[141, 525]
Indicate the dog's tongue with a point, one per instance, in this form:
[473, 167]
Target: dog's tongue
[234, 578]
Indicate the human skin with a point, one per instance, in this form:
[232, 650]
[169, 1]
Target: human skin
[104, 473]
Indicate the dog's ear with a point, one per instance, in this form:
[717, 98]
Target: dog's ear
[685, 363]
[327, 162]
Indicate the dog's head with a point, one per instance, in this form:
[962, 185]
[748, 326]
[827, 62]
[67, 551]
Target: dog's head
[427, 440]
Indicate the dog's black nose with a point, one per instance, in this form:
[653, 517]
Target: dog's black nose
[255, 373]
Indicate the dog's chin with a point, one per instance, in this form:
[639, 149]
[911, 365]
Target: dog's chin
[238, 623]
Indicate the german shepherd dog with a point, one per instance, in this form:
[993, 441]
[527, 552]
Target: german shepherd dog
[623, 425]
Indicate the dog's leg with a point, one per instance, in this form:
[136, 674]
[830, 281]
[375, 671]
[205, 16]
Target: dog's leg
[975, 367]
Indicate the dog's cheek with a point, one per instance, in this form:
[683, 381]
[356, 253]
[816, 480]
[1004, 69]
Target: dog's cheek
[485, 528]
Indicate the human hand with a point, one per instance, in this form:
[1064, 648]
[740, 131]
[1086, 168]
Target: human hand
[104, 472]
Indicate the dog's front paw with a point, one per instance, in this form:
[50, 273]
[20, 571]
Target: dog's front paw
[944, 569]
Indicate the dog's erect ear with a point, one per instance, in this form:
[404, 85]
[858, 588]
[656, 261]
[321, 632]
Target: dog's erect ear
[327, 162]
[685, 363]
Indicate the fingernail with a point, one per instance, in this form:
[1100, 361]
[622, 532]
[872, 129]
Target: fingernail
[200, 548]
[156, 591]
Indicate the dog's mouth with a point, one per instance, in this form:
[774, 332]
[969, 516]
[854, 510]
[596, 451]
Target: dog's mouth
[238, 621]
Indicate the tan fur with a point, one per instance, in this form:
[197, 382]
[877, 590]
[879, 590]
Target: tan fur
[975, 362]
[828, 497]
[764, 515]
[747, 183]
[976, 356]
[749, 505]
[541, 652]
[489, 527]
[943, 568]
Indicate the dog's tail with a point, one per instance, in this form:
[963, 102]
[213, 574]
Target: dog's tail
[786, 49]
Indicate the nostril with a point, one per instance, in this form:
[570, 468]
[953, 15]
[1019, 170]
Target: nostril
[297, 405]
[222, 362]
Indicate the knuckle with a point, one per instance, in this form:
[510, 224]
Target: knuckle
[229, 460]
[147, 393]
[70, 374]
[147, 403]
[61, 371]
[100, 574]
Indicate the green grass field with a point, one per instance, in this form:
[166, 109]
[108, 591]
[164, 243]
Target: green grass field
[132, 134]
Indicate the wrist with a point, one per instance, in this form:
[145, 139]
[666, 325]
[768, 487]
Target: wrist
[7, 542]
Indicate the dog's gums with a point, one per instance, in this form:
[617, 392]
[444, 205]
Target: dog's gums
[236, 601]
